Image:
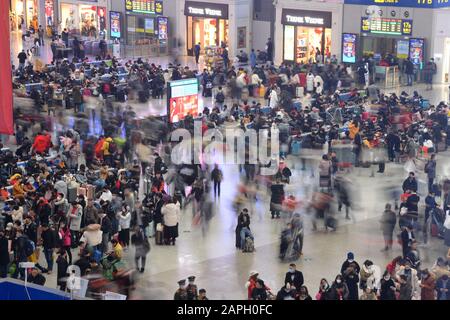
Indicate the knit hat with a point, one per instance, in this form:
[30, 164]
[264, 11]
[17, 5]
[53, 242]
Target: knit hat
[350, 256]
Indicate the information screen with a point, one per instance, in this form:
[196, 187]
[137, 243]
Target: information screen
[349, 48]
[141, 6]
[386, 26]
[182, 97]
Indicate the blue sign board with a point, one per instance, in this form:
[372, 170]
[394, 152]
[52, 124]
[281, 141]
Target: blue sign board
[431, 4]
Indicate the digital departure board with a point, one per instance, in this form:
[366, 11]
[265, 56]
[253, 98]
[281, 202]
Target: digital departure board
[386, 26]
[141, 6]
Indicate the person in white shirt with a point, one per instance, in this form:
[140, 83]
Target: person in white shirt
[310, 82]
[318, 84]
[273, 98]
[124, 218]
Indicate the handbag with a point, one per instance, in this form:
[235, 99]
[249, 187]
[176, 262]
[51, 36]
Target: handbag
[160, 227]
[447, 220]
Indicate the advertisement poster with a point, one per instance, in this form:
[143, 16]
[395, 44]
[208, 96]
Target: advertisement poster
[402, 49]
[159, 7]
[182, 106]
[416, 49]
[182, 97]
[49, 12]
[162, 28]
[102, 19]
[242, 37]
[116, 24]
[149, 25]
[349, 48]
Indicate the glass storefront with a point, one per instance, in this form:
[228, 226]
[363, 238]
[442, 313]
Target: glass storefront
[207, 24]
[86, 20]
[306, 33]
[206, 31]
[24, 11]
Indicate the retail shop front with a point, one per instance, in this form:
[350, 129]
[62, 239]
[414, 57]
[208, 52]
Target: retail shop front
[207, 24]
[305, 35]
[24, 11]
[85, 18]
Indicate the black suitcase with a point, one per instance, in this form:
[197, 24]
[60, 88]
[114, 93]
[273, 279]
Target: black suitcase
[159, 238]
[72, 194]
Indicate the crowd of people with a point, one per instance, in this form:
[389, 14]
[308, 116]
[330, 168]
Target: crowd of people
[80, 195]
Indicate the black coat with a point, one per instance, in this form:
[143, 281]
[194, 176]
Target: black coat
[295, 279]
[62, 269]
[49, 239]
[410, 185]
[386, 293]
[4, 254]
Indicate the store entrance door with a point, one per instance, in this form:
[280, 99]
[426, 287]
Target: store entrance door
[204, 31]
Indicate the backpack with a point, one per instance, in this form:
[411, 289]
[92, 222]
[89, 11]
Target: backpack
[112, 148]
[29, 248]
[249, 245]
[97, 255]
[220, 97]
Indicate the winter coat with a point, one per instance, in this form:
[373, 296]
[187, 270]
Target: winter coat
[124, 220]
[171, 214]
[309, 82]
[74, 216]
[92, 236]
[141, 244]
[388, 221]
[65, 237]
[428, 289]
[273, 99]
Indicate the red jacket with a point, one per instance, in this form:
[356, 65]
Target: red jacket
[41, 144]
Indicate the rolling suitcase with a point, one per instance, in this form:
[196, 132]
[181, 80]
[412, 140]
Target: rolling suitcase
[249, 245]
[159, 238]
[441, 146]
[295, 147]
[434, 230]
[90, 191]
[72, 194]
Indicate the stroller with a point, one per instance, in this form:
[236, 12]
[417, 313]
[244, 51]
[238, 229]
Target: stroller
[291, 245]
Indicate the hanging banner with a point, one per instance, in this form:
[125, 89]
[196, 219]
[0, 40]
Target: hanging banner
[6, 98]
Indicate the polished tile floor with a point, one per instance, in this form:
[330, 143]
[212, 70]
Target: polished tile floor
[210, 254]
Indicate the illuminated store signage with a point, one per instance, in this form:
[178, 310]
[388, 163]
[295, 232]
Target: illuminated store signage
[208, 10]
[306, 18]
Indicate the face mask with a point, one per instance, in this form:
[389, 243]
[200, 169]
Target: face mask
[350, 260]
[338, 281]
[291, 270]
[387, 278]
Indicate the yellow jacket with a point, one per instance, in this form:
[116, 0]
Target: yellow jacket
[353, 130]
[105, 147]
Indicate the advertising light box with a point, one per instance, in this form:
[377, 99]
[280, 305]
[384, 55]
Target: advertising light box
[349, 47]
[115, 24]
[182, 99]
